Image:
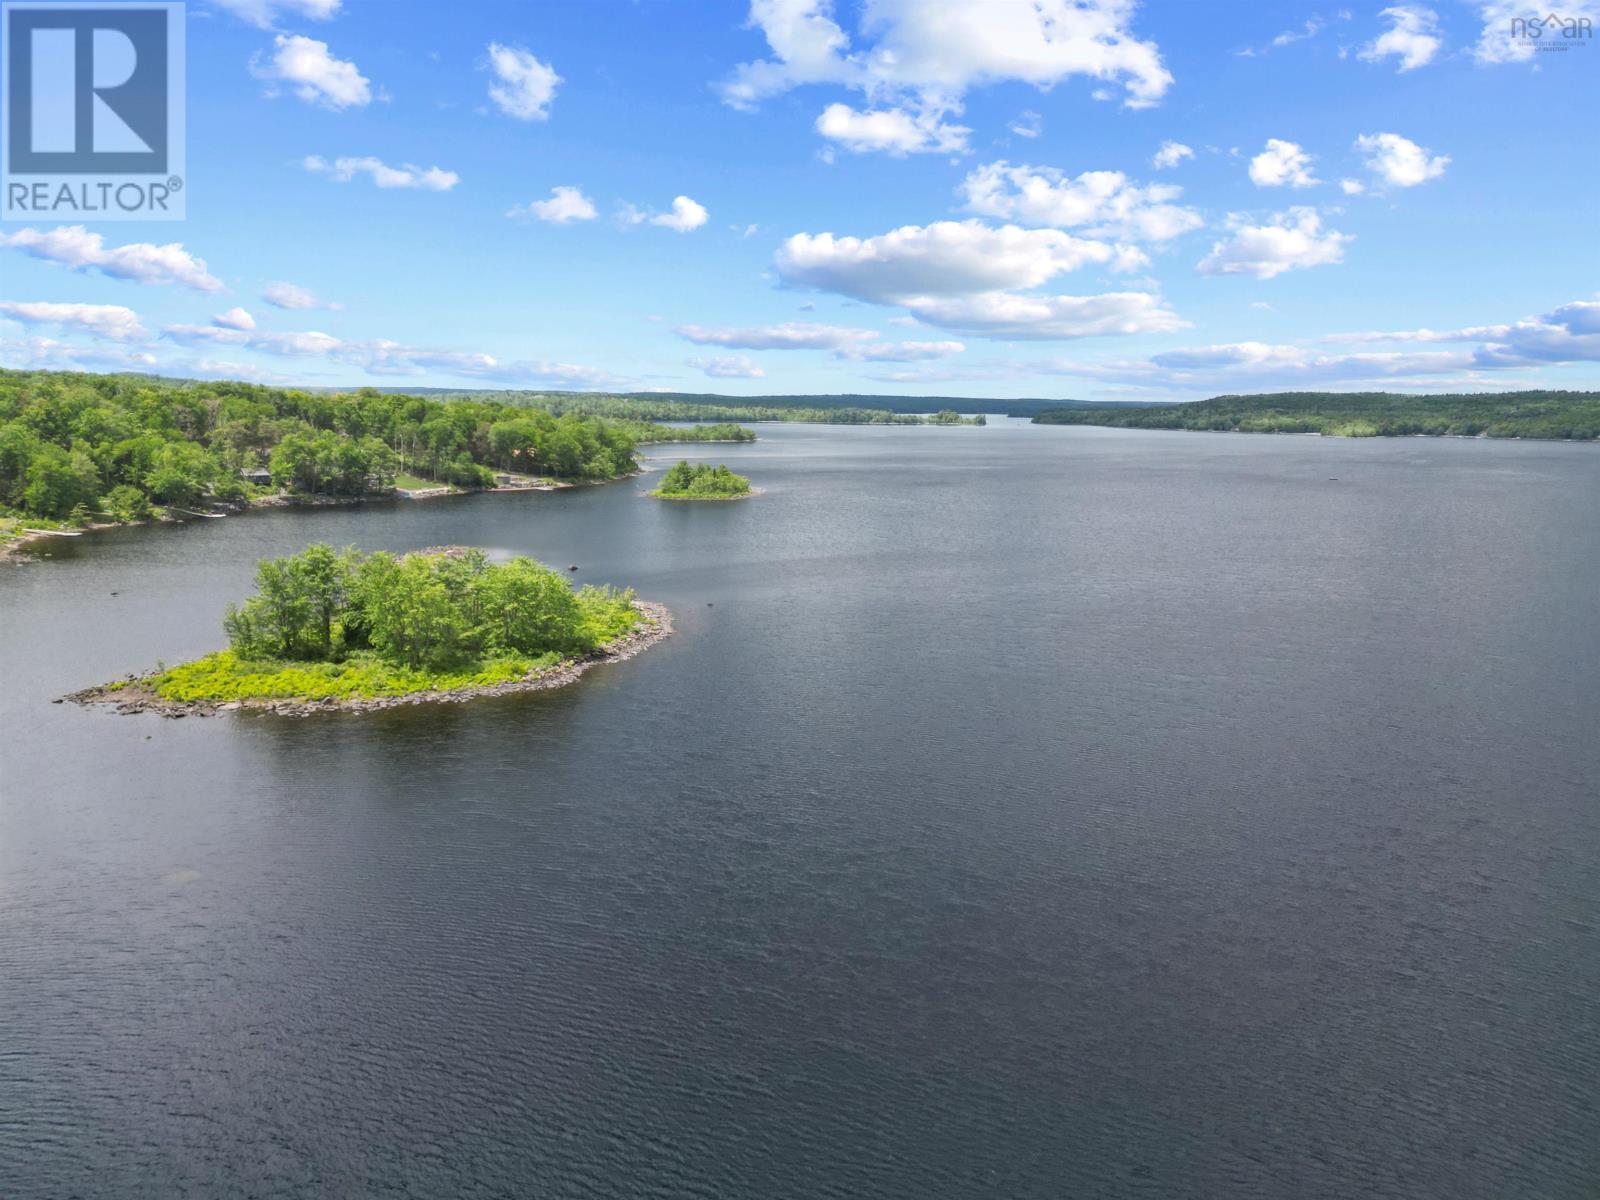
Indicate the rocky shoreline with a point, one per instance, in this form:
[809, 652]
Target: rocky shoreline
[135, 695]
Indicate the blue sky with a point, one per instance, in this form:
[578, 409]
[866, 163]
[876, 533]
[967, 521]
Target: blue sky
[900, 196]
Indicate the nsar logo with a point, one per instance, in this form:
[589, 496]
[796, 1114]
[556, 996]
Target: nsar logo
[93, 120]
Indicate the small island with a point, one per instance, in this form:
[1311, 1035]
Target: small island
[701, 481]
[346, 630]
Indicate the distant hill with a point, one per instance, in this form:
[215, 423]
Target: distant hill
[854, 401]
[1539, 414]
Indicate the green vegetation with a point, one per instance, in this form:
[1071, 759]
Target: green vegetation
[820, 410]
[1574, 415]
[701, 481]
[78, 447]
[325, 623]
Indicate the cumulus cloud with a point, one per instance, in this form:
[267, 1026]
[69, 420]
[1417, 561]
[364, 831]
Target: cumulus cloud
[407, 175]
[111, 321]
[1352, 187]
[524, 86]
[1011, 316]
[381, 356]
[143, 262]
[566, 204]
[234, 318]
[1566, 334]
[1398, 161]
[46, 352]
[916, 59]
[265, 14]
[1103, 203]
[895, 131]
[843, 342]
[685, 216]
[1412, 37]
[944, 258]
[1170, 155]
[965, 275]
[1291, 241]
[729, 366]
[281, 294]
[306, 67]
[1282, 164]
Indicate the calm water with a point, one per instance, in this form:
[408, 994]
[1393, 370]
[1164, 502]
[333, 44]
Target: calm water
[1017, 812]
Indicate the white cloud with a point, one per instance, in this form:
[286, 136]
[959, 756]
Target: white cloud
[845, 343]
[903, 351]
[1398, 161]
[893, 130]
[1028, 125]
[111, 321]
[685, 215]
[1293, 240]
[1104, 202]
[1569, 333]
[525, 85]
[305, 65]
[1281, 163]
[566, 204]
[281, 294]
[234, 318]
[1170, 155]
[793, 335]
[944, 258]
[143, 262]
[1008, 315]
[1503, 41]
[45, 352]
[407, 175]
[922, 56]
[381, 356]
[964, 276]
[265, 14]
[1352, 187]
[1412, 37]
[731, 366]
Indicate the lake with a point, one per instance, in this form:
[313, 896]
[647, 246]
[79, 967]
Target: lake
[1016, 812]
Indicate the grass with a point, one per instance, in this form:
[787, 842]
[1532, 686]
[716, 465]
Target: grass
[415, 483]
[223, 676]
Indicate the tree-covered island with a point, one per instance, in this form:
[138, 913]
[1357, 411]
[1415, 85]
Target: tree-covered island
[701, 481]
[361, 631]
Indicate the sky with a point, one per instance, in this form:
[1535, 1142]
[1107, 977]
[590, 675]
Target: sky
[1098, 199]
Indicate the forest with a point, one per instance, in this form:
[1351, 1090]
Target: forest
[1533, 414]
[342, 624]
[701, 481]
[82, 447]
[816, 410]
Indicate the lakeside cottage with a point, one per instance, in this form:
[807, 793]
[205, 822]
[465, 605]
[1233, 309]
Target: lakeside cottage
[260, 476]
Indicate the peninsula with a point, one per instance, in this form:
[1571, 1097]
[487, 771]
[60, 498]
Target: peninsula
[80, 450]
[346, 630]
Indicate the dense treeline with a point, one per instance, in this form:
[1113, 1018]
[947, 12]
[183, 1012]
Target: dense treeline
[726, 408]
[1534, 414]
[79, 446]
[427, 610]
[701, 481]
